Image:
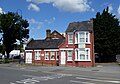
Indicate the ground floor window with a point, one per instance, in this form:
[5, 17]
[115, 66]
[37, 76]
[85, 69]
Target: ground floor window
[46, 55]
[82, 54]
[52, 55]
[69, 55]
[57, 55]
[37, 55]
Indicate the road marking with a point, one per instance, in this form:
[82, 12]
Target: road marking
[81, 82]
[12, 83]
[35, 79]
[28, 81]
[99, 80]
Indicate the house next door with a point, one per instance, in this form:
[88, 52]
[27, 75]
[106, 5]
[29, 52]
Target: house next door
[28, 58]
[63, 58]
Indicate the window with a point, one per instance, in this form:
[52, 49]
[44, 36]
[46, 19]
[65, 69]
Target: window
[87, 37]
[69, 55]
[82, 54]
[82, 37]
[87, 52]
[76, 54]
[46, 55]
[52, 55]
[57, 55]
[76, 37]
[37, 55]
[70, 38]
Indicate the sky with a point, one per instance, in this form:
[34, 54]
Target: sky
[57, 14]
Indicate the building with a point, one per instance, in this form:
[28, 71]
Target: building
[75, 49]
[78, 49]
[44, 51]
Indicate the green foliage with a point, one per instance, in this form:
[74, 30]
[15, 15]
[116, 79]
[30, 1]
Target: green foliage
[106, 33]
[13, 28]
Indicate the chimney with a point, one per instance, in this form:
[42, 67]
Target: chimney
[48, 32]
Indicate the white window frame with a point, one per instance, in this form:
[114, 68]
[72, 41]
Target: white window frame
[86, 37]
[70, 42]
[69, 58]
[52, 53]
[46, 54]
[37, 55]
[76, 37]
[78, 52]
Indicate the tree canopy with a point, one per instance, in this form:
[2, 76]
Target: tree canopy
[13, 28]
[106, 33]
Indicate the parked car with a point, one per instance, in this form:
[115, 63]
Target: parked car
[118, 58]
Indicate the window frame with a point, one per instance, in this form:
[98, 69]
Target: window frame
[84, 52]
[86, 37]
[46, 53]
[69, 58]
[37, 55]
[51, 53]
[70, 40]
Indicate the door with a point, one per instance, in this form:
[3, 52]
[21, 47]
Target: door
[63, 58]
[28, 58]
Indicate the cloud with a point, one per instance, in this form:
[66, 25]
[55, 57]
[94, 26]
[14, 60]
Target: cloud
[33, 7]
[50, 21]
[67, 5]
[1, 10]
[110, 8]
[118, 12]
[35, 24]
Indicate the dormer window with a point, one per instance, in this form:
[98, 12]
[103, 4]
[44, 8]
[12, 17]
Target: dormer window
[70, 38]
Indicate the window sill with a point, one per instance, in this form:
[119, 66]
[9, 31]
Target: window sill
[70, 43]
[69, 60]
[83, 43]
[82, 60]
[52, 59]
[37, 59]
[46, 59]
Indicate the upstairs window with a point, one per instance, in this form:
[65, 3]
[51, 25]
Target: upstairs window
[82, 37]
[70, 38]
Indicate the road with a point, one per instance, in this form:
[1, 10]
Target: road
[22, 75]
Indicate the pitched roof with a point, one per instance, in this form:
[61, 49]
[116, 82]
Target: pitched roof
[44, 44]
[80, 26]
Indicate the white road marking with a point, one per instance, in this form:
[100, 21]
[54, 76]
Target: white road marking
[81, 82]
[28, 81]
[12, 83]
[110, 81]
[35, 79]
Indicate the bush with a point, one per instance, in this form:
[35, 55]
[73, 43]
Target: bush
[6, 61]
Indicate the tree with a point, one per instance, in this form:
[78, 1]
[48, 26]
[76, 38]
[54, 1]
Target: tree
[106, 34]
[13, 28]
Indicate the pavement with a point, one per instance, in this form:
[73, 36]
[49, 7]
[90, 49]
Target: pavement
[100, 67]
[101, 70]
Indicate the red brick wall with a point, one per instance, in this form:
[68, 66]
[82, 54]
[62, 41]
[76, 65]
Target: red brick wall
[80, 63]
[42, 60]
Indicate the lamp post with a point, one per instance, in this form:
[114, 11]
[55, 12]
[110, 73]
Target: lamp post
[18, 10]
